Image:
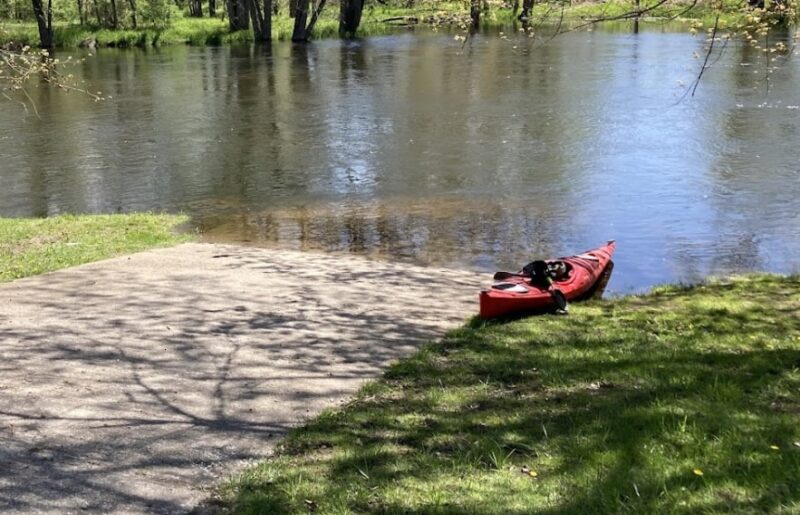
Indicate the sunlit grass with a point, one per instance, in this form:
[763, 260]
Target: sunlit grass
[31, 246]
[684, 400]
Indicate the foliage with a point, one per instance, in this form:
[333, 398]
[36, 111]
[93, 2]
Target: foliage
[19, 67]
[34, 246]
[163, 21]
[159, 14]
[684, 400]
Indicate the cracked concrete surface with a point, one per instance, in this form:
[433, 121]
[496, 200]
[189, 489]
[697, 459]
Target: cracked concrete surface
[132, 385]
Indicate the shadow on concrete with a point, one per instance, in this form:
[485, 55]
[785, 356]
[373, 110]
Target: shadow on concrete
[131, 384]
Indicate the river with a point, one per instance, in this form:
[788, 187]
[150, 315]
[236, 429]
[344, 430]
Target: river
[414, 147]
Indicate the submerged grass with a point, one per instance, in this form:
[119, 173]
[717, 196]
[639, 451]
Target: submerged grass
[34, 246]
[683, 400]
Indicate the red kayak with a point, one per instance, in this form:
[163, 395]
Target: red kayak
[518, 293]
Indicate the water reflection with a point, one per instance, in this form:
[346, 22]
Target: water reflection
[414, 148]
[455, 231]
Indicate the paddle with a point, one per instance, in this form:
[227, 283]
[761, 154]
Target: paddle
[498, 276]
[559, 298]
[557, 295]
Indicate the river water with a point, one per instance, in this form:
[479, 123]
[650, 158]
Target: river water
[412, 147]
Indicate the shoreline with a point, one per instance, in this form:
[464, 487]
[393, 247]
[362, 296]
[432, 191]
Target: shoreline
[676, 390]
[376, 21]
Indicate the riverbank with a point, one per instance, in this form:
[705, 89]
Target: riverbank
[32, 246]
[376, 21]
[682, 399]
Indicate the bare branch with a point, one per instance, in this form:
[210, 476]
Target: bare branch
[708, 54]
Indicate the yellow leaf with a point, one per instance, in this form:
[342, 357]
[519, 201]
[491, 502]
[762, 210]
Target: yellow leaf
[697, 472]
[774, 447]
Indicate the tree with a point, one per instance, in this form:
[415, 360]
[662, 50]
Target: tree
[81, 14]
[475, 14]
[261, 20]
[114, 17]
[300, 33]
[350, 16]
[527, 10]
[132, 4]
[44, 21]
[195, 8]
[238, 18]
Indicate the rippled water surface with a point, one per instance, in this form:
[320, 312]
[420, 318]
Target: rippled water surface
[412, 148]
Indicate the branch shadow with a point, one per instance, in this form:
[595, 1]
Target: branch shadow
[611, 405]
[135, 384]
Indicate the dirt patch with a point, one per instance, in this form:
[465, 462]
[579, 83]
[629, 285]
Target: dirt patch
[132, 384]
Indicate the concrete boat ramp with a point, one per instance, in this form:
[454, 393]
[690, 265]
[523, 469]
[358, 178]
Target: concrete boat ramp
[134, 384]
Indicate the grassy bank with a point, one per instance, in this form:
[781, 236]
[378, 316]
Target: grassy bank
[215, 31]
[680, 401]
[186, 31]
[34, 246]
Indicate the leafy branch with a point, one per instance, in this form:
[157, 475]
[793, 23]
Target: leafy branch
[20, 67]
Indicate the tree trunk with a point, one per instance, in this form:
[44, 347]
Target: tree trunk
[300, 16]
[132, 3]
[97, 13]
[266, 25]
[261, 19]
[237, 15]
[527, 9]
[195, 9]
[81, 16]
[292, 8]
[44, 19]
[350, 17]
[475, 13]
[515, 7]
[212, 8]
[114, 21]
[314, 18]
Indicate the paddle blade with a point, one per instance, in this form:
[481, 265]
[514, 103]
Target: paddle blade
[502, 275]
[559, 299]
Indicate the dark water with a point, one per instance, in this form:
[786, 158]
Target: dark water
[411, 148]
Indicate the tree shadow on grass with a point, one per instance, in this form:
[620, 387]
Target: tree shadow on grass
[684, 400]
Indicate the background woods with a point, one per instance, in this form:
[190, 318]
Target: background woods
[153, 22]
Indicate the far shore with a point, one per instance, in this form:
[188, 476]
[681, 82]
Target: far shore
[378, 20]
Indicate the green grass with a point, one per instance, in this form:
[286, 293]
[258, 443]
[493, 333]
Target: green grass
[31, 246]
[205, 31]
[685, 400]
